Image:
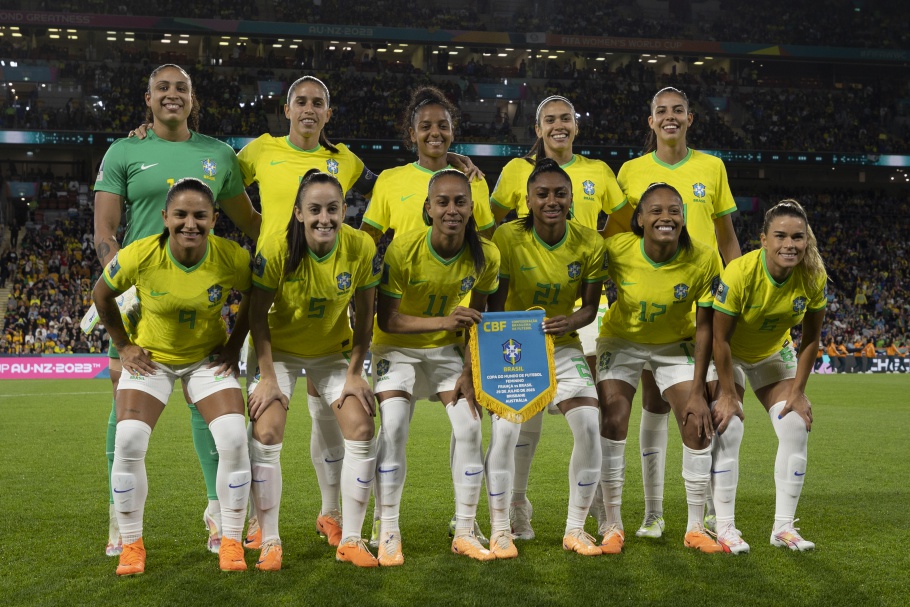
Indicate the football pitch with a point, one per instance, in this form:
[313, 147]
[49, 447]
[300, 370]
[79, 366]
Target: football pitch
[53, 499]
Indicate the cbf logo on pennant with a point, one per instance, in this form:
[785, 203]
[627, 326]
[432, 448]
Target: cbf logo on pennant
[512, 364]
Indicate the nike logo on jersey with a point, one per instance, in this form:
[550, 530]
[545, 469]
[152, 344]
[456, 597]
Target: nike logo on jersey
[527, 268]
[274, 162]
[148, 166]
[159, 293]
[403, 198]
[626, 283]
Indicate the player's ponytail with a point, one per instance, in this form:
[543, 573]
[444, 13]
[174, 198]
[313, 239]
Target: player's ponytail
[296, 231]
[685, 240]
[812, 260]
[471, 237]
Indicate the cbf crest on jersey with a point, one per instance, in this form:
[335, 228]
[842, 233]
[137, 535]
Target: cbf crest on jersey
[209, 169]
[331, 166]
[467, 283]
[681, 291]
[214, 292]
[574, 269]
[511, 351]
[588, 187]
[799, 305]
[343, 281]
[699, 190]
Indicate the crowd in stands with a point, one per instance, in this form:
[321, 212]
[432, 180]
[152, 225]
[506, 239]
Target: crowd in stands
[765, 115]
[52, 271]
[840, 23]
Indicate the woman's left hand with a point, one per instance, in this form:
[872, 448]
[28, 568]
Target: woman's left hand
[227, 360]
[558, 325]
[358, 387]
[799, 404]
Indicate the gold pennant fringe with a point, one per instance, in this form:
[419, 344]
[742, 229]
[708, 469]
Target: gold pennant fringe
[494, 405]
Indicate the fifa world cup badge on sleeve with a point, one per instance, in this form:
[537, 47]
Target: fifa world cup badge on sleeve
[512, 364]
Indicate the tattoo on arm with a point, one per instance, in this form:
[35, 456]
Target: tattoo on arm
[102, 250]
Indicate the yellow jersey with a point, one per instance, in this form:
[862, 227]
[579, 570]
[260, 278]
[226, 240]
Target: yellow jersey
[700, 179]
[765, 309]
[428, 285]
[399, 195]
[594, 188]
[309, 315]
[549, 276]
[181, 306]
[278, 166]
[654, 301]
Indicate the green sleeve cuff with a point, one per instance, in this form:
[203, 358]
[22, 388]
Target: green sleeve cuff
[727, 312]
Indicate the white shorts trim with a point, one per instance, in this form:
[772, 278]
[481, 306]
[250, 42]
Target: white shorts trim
[200, 381]
[421, 372]
[573, 378]
[779, 366]
[327, 373]
[623, 360]
[588, 334]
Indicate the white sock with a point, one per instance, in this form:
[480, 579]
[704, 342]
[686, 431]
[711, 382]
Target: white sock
[789, 465]
[613, 478]
[652, 439]
[696, 472]
[392, 467]
[251, 504]
[467, 465]
[232, 481]
[128, 479]
[357, 475]
[326, 451]
[500, 469]
[266, 486]
[725, 471]
[528, 437]
[584, 465]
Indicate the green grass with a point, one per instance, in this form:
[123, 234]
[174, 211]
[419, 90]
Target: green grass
[53, 496]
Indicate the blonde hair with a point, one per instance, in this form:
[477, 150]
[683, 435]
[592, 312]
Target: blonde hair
[812, 260]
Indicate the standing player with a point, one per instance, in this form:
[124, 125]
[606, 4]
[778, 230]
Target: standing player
[708, 205]
[278, 164]
[397, 204]
[304, 285]
[761, 295]
[418, 352]
[546, 261]
[429, 124]
[135, 175]
[660, 275]
[183, 277]
[594, 191]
